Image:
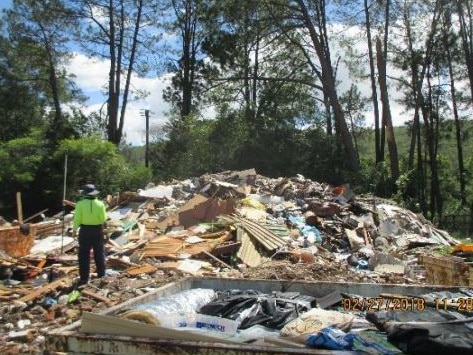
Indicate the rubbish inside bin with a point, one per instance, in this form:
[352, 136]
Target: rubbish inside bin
[155, 312]
[251, 308]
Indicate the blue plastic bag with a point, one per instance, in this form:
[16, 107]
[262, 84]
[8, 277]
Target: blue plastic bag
[329, 338]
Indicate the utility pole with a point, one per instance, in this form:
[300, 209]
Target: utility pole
[146, 114]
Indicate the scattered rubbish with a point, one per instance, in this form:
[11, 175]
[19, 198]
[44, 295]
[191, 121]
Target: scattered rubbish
[235, 224]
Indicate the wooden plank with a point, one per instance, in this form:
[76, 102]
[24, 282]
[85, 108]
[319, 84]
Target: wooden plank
[168, 265]
[217, 259]
[141, 269]
[34, 215]
[41, 264]
[231, 247]
[96, 296]
[67, 269]
[39, 292]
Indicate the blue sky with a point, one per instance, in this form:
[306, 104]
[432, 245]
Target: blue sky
[5, 3]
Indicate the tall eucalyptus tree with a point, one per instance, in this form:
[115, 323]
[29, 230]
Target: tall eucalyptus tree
[375, 25]
[374, 89]
[453, 45]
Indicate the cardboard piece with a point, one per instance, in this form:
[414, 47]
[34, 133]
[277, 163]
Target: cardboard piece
[198, 209]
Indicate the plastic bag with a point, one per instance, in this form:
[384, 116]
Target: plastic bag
[329, 338]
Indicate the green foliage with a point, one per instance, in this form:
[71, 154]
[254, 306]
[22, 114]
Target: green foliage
[93, 160]
[374, 177]
[20, 105]
[86, 125]
[21, 161]
[21, 158]
[134, 177]
[443, 251]
[187, 150]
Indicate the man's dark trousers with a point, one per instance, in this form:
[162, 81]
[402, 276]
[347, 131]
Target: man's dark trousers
[91, 237]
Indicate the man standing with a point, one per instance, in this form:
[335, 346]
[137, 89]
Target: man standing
[89, 217]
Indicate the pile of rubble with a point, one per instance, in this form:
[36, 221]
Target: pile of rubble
[233, 224]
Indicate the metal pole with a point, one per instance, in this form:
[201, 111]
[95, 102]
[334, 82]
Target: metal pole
[63, 198]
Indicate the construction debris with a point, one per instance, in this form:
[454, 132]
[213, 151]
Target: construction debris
[232, 224]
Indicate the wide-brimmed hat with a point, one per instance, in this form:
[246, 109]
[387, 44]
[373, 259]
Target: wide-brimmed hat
[89, 190]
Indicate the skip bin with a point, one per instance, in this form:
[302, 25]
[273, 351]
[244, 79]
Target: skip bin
[144, 339]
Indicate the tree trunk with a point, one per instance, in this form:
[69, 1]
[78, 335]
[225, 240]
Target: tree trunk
[387, 120]
[54, 87]
[120, 54]
[374, 93]
[112, 102]
[417, 79]
[458, 129]
[431, 122]
[467, 39]
[131, 62]
[188, 57]
[328, 83]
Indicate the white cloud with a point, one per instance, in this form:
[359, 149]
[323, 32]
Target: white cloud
[91, 77]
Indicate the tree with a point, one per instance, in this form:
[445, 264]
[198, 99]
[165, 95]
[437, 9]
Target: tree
[449, 39]
[21, 159]
[465, 17]
[116, 30]
[319, 39]
[20, 106]
[387, 119]
[374, 91]
[185, 92]
[95, 160]
[38, 32]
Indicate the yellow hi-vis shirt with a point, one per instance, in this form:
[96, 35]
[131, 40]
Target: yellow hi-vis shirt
[89, 212]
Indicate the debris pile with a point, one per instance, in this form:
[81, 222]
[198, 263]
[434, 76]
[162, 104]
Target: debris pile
[233, 224]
